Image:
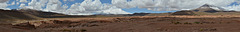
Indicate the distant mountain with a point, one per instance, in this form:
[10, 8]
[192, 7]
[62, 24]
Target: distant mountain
[205, 9]
[30, 14]
[44, 14]
[40, 13]
[209, 8]
[183, 13]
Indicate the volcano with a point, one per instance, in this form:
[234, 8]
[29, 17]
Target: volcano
[209, 8]
[206, 9]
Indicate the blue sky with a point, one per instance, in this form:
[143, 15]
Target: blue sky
[132, 7]
[69, 3]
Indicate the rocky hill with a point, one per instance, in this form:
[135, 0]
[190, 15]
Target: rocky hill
[41, 14]
[29, 14]
[184, 13]
[11, 15]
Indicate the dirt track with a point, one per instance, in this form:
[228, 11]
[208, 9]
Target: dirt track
[131, 24]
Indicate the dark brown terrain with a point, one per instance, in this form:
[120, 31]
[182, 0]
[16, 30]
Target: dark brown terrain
[7, 16]
[132, 24]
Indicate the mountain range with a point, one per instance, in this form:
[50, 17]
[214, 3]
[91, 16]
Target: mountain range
[207, 9]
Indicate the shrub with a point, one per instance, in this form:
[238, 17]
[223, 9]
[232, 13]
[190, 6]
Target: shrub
[197, 22]
[66, 30]
[201, 29]
[83, 30]
[177, 23]
[187, 23]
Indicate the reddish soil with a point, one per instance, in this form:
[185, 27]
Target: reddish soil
[130, 24]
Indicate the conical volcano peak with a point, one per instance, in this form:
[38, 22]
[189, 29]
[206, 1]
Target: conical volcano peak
[209, 8]
[207, 5]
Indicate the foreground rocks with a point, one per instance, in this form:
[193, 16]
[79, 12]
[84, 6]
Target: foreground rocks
[59, 23]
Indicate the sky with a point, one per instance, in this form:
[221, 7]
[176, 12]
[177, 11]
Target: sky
[91, 7]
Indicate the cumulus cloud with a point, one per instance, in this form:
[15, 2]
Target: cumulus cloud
[89, 7]
[235, 7]
[22, 5]
[13, 3]
[76, 9]
[123, 4]
[2, 1]
[169, 5]
[46, 5]
[17, 3]
[54, 5]
[112, 10]
[67, 0]
[35, 4]
[24, 1]
[3, 4]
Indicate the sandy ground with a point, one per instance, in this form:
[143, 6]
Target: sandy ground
[207, 23]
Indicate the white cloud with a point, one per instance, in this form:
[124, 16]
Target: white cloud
[113, 10]
[17, 3]
[168, 5]
[24, 1]
[22, 5]
[54, 5]
[51, 5]
[67, 0]
[3, 4]
[123, 4]
[91, 7]
[2, 1]
[87, 7]
[236, 8]
[35, 4]
[76, 9]
[13, 3]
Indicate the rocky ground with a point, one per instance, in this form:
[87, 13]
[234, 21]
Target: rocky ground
[131, 24]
